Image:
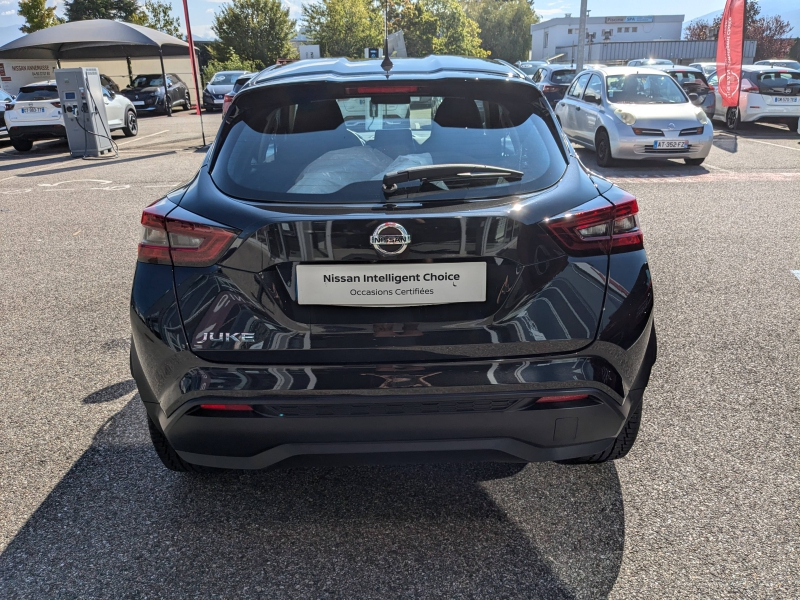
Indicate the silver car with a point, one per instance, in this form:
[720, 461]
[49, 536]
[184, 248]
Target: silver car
[634, 113]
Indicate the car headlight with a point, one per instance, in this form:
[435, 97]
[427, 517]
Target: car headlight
[625, 117]
[701, 117]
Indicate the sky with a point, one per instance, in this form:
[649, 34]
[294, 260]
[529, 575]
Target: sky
[201, 12]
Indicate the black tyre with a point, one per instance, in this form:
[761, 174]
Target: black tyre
[621, 446]
[694, 162]
[21, 144]
[168, 455]
[131, 128]
[733, 118]
[187, 102]
[602, 148]
[167, 106]
[792, 123]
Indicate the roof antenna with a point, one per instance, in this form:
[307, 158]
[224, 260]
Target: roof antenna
[387, 63]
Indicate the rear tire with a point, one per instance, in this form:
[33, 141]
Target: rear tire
[733, 118]
[621, 446]
[792, 122]
[131, 128]
[21, 144]
[694, 162]
[187, 102]
[602, 148]
[167, 453]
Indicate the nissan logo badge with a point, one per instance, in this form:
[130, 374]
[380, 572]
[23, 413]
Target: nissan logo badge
[392, 242]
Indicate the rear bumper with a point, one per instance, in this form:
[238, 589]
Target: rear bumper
[38, 132]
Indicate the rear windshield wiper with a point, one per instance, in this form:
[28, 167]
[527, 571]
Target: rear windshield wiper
[448, 172]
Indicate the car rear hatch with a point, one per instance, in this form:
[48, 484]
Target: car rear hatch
[428, 271]
[779, 84]
[38, 103]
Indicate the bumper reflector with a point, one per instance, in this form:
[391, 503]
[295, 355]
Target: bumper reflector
[240, 407]
[570, 398]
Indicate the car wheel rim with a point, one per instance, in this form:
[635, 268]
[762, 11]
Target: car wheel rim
[132, 123]
[732, 118]
[601, 150]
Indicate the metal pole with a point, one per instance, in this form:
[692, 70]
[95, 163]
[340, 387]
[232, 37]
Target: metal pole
[194, 67]
[581, 37]
[164, 81]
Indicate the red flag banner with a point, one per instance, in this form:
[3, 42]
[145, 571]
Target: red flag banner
[729, 52]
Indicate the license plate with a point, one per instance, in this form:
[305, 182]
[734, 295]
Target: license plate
[391, 284]
[670, 144]
[138, 103]
[790, 100]
[217, 101]
[26, 111]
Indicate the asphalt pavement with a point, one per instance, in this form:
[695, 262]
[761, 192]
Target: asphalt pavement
[705, 506]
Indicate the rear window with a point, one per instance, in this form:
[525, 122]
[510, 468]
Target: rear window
[239, 85]
[31, 94]
[683, 77]
[335, 142]
[563, 77]
[781, 77]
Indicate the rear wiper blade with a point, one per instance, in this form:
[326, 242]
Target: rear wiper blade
[447, 171]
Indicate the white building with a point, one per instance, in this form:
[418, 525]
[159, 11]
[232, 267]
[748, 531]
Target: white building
[563, 31]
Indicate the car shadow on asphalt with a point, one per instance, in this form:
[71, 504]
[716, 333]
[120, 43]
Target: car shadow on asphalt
[120, 525]
[649, 167]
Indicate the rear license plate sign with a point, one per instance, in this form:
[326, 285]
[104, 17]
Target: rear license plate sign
[670, 144]
[788, 100]
[391, 284]
[26, 111]
[138, 103]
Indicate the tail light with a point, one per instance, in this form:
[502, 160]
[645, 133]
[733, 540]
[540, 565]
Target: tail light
[599, 227]
[710, 88]
[57, 104]
[10, 106]
[227, 98]
[748, 86]
[551, 88]
[188, 241]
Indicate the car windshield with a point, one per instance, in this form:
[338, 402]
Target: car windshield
[641, 88]
[143, 81]
[31, 94]
[564, 76]
[529, 69]
[334, 142]
[225, 78]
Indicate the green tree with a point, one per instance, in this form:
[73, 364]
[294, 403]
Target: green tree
[37, 15]
[255, 30]
[505, 26]
[232, 62]
[344, 27]
[117, 10]
[457, 33]
[420, 27]
[158, 15]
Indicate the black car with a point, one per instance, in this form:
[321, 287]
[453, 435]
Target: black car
[693, 81]
[404, 268]
[553, 81]
[148, 95]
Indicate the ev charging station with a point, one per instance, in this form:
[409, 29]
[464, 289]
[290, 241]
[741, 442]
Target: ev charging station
[84, 111]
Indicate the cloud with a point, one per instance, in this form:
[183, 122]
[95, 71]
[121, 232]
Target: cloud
[8, 12]
[211, 10]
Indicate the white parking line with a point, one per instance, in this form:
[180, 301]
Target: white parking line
[717, 168]
[747, 139]
[796, 274]
[143, 137]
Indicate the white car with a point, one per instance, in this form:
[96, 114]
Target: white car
[35, 114]
[766, 94]
[634, 113]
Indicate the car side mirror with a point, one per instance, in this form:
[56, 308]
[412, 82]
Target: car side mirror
[112, 94]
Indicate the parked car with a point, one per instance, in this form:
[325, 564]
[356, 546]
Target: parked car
[553, 81]
[221, 84]
[634, 113]
[766, 94]
[694, 83]
[706, 67]
[109, 83]
[370, 290]
[35, 114]
[148, 94]
[241, 81]
[780, 62]
[648, 62]
[529, 66]
[5, 98]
